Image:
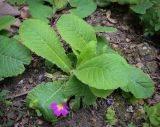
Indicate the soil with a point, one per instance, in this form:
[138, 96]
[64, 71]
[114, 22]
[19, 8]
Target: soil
[128, 41]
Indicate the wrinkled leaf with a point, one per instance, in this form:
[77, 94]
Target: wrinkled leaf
[40, 98]
[16, 2]
[6, 21]
[103, 3]
[87, 53]
[13, 57]
[107, 71]
[39, 10]
[83, 8]
[153, 114]
[75, 31]
[140, 85]
[60, 4]
[101, 93]
[141, 8]
[42, 39]
[103, 46]
[76, 88]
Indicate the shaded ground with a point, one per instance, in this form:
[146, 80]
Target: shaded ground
[130, 43]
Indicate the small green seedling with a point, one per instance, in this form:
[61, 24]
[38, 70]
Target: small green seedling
[110, 117]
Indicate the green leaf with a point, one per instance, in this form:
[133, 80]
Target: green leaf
[140, 85]
[131, 125]
[1, 79]
[101, 93]
[6, 21]
[75, 31]
[48, 64]
[110, 116]
[107, 71]
[104, 29]
[16, 2]
[13, 56]
[4, 32]
[103, 46]
[87, 53]
[103, 3]
[39, 10]
[126, 1]
[76, 88]
[73, 59]
[40, 98]
[142, 7]
[83, 7]
[60, 4]
[3, 95]
[151, 19]
[42, 39]
[153, 114]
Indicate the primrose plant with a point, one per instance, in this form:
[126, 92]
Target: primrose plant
[94, 70]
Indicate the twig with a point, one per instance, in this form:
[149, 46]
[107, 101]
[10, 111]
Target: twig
[17, 95]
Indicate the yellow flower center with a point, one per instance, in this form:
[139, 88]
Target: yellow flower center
[60, 106]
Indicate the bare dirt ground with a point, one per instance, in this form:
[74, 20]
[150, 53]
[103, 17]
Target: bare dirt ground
[129, 41]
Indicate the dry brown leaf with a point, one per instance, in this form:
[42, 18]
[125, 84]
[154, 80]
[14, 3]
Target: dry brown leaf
[108, 14]
[25, 13]
[7, 9]
[17, 23]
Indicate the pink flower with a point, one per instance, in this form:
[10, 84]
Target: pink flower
[59, 109]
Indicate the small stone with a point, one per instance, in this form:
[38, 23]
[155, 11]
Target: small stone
[139, 65]
[109, 101]
[21, 82]
[30, 80]
[114, 46]
[108, 38]
[130, 109]
[128, 40]
[142, 48]
[148, 52]
[152, 66]
[145, 48]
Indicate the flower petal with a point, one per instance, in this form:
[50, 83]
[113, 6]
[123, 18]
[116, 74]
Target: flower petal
[57, 112]
[65, 105]
[64, 112]
[53, 106]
